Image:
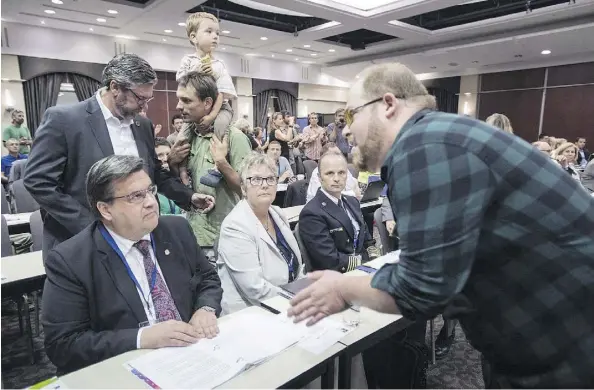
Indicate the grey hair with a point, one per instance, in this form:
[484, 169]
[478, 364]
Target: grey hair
[205, 85]
[252, 160]
[128, 71]
[104, 173]
[243, 125]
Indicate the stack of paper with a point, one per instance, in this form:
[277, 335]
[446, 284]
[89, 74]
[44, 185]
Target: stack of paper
[321, 336]
[242, 342]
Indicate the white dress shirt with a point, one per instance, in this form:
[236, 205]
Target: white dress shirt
[136, 263]
[356, 226]
[314, 183]
[120, 132]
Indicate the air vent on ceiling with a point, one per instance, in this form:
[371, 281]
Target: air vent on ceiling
[245, 65]
[119, 48]
[359, 39]
[305, 73]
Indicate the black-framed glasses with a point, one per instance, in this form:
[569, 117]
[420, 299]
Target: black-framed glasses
[257, 181]
[138, 196]
[141, 100]
[349, 113]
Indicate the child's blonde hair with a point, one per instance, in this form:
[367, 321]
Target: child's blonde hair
[194, 20]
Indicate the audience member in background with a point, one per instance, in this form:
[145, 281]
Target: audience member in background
[486, 231]
[334, 131]
[203, 32]
[277, 131]
[588, 176]
[245, 127]
[166, 206]
[18, 131]
[283, 169]
[583, 155]
[257, 249]
[557, 142]
[313, 137]
[71, 138]
[156, 128]
[542, 146]
[351, 186]
[197, 93]
[565, 155]
[501, 122]
[177, 122]
[543, 137]
[12, 145]
[331, 225]
[130, 280]
[390, 223]
[258, 136]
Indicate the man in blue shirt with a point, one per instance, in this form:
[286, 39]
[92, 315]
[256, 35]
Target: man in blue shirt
[13, 155]
[335, 133]
[492, 232]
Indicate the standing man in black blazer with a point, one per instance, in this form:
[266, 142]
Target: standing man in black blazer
[130, 279]
[72, 138]
[331, 225]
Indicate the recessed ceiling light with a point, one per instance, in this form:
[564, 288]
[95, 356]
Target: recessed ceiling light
[313, 54]
[467, 93]
[357, 76]
[49, 11]
[296, 59]
[289, 50]
[112, 11]
[168, 31]
[223, 48]
[307, 46]
[264, 38]
[545, 52]
[90, 28]
[226, 32]
[331, 50]
[164, 40]
[272, 56]
[61, 94]
[101, 20]
[43, 22]
[59, 2]
[181, 24]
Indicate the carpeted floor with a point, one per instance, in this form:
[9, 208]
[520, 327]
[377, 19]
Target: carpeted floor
[461, 369]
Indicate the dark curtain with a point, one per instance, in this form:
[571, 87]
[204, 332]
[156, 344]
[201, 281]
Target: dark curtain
[84, 86]
[286, 101]
[261, 107]
[446, 101]
[41, 92]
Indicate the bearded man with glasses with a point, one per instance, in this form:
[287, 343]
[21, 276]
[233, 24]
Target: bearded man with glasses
[130, 280]
[72, 138]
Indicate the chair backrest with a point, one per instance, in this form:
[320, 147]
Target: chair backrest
[5, 206]
[296, 194]
[36, 224]
[6, 244]
[309, 166]
[383, 232]
[303, 249]
[17, 171]
[23, 201]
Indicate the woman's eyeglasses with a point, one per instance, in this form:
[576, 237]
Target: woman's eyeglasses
[138, 196]
[257, 181]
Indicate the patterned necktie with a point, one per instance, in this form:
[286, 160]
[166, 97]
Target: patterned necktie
[162, 301]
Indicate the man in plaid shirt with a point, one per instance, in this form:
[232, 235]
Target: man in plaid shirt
[491, 230]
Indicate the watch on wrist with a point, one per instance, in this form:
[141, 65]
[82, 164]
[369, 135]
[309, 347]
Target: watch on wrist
[208, 309]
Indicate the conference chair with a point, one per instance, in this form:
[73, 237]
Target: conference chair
[303, 249]
[36, 225]
[309, 166]
[17, 171]
[5, 205]
[383, 232]
[23, 201]
[296, 194]
[6, 244]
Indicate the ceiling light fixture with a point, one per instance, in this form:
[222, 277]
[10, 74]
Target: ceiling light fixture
[289, 50]
[307, 46]
[467, 93]
[313, 54]
[59, 2]
[296, 59]
[168, 31]
[49, 11]
[272, 56]
[90, 28]
[181, 24]
[101, 20]
[223, 48]
[226, 32]
[331, 50]
[164, 40]
[112, 11]
[43, 22]
[545, 52]
[263, 38]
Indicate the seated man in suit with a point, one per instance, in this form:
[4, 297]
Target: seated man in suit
[331, 225]
[130, 279]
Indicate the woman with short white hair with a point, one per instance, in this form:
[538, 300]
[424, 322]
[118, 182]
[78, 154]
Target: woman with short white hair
[257, 250]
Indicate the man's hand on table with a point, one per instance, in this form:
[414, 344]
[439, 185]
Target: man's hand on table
[205, 323]
[170, 333]
[319, 300]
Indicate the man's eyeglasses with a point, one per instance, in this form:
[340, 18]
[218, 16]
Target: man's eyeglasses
[349, 113]
[138, 196]
[141, 100]
[257, 181]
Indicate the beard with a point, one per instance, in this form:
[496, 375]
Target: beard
[367, 156]
[125, 112]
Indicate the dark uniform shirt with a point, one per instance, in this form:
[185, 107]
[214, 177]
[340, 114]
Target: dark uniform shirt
[499, 235]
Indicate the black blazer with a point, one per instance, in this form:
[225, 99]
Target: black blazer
[69, 140]
[91, 308]
[586, 156]
[328, 233]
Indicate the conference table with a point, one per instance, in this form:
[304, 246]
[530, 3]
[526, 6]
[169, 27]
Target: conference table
[292, 368]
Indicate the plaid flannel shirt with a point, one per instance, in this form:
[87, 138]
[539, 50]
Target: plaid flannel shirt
[496, 234]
